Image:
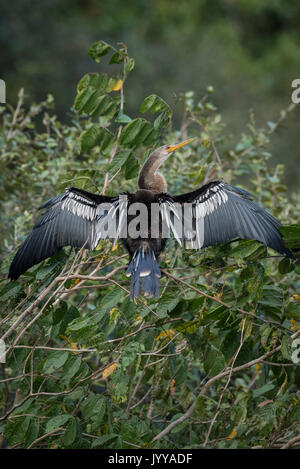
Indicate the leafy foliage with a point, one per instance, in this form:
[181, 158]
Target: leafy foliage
[209, 364]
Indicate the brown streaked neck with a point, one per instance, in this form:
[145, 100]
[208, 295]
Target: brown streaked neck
[149, 178]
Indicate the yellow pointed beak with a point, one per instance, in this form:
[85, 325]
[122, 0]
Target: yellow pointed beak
[172, 148]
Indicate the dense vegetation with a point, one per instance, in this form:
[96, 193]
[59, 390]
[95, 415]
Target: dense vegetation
[209, 364]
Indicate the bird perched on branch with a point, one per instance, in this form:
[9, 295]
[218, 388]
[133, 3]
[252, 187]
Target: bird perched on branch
[215, 213]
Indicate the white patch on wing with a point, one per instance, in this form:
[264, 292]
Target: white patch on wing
[204, 205]
[122, 226]
[78, 206]
[173, 226]
[209, 202]
[115, 228]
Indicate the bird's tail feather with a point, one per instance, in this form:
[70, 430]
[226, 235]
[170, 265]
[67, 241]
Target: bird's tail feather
[145, 272]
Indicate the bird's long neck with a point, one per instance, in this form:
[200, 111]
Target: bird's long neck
[150, 178]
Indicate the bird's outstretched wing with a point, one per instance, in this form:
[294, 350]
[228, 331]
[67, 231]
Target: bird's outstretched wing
[75, 218]
[218, 213]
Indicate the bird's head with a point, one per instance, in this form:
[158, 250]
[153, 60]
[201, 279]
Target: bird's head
[149, 178]
[163, 152]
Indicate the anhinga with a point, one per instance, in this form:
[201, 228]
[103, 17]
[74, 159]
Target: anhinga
[215, 213]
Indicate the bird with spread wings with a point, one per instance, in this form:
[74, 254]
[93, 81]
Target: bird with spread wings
[213, 214]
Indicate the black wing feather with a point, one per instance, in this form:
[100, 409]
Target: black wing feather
[228, 212]
[69, 220]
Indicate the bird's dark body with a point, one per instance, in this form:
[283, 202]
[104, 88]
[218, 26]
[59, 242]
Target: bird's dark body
[157, 244]
[218, 213]
[144, 250]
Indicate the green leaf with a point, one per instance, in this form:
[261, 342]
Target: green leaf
[93, 102]
[285, 266]
[130, 131]
[102, 441]
[32, 432]
[98, 50]
[271, 296]
[136, 132]
[105, 139]
[161, 121]
[10, 290]
[291, 236]
[131, 167]
[265, 332]
[215, 314]
[286, 348]
[130, 354]
[200, 406]
[292, 311]
[119, 160]
[56, 422]
[95, 135]
[116, 58]
[85, 99]
[89, 138]
[64, 316]
[105, 106]
[79, 323]
[148, 103]
[70, 369]
[129, 65]
[166, 304]
[119, 383]
[248, 328]
[246, 249]
[99, 411]
[95, 81]
[255, 283]
[55, 361]
[295, 413]
[93, 409]
[263, 390]
[71, 432]
[15, 430]
[214, 362]
[230, 344]
[122, 118]
[45, 271]
[111, 299]
[154, 103]
[190, 327]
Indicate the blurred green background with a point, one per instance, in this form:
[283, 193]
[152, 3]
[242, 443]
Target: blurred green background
[248, 50]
